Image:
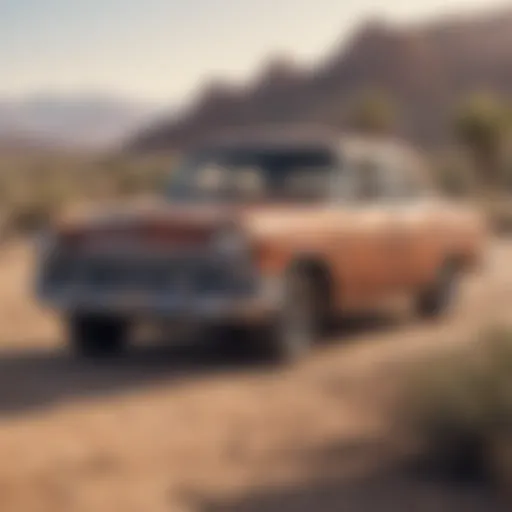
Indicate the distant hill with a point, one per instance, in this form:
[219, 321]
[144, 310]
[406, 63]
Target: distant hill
[424, 69]
[82, 122]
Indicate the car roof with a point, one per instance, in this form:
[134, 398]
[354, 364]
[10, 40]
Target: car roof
[301, 137]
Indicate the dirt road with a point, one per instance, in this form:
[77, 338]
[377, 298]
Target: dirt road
[181, 429]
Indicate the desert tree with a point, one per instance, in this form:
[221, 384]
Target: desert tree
[482, 124]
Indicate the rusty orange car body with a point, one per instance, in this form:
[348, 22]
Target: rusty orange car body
[320, 224]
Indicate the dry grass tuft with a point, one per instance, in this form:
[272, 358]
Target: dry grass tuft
[460, 409]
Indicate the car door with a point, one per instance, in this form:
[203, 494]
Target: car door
[413, 205]
[369, 249]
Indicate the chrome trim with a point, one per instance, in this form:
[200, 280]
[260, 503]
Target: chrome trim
[178, 306]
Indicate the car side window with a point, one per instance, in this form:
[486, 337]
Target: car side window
[340, 182]
[407, 178]
[370, 183]
[357, 181]
[419, 178]
[380, 178]
[343, 187]
[393, 179]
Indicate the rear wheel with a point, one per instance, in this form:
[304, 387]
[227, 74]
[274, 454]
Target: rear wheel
[97, 337]
[439, 297]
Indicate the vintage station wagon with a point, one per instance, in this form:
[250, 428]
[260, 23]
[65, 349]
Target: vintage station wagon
[268, 231]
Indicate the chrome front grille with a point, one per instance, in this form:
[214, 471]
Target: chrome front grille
[152, 275]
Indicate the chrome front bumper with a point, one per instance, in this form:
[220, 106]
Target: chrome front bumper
[255, 300]
[198, 309]
[251, 306]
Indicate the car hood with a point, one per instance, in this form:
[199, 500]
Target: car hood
[164, 224]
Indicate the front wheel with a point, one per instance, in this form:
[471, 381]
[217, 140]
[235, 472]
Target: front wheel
[297, 325]
[439, 297]
[97, 337]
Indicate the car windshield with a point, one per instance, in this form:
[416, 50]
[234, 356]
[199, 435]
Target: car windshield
[253, 175]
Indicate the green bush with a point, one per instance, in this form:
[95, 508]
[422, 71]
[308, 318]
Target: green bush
[460, 409]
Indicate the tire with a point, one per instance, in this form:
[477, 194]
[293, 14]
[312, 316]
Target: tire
[97, 337]
[230, 341]
[297, 325]
[439, 298]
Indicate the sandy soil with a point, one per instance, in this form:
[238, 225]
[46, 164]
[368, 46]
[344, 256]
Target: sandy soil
[182, 429]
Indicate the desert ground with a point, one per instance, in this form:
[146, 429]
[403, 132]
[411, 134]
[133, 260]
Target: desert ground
[185, 429]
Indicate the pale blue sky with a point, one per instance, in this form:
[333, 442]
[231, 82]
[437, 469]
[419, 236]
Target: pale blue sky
[164, 49]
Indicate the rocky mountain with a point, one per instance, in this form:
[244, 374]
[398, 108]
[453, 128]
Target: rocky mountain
[425, 69]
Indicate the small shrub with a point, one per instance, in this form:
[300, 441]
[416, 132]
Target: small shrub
[460, 409]
[29, 218]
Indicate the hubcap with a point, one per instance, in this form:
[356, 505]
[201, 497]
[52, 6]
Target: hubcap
[298, 319]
